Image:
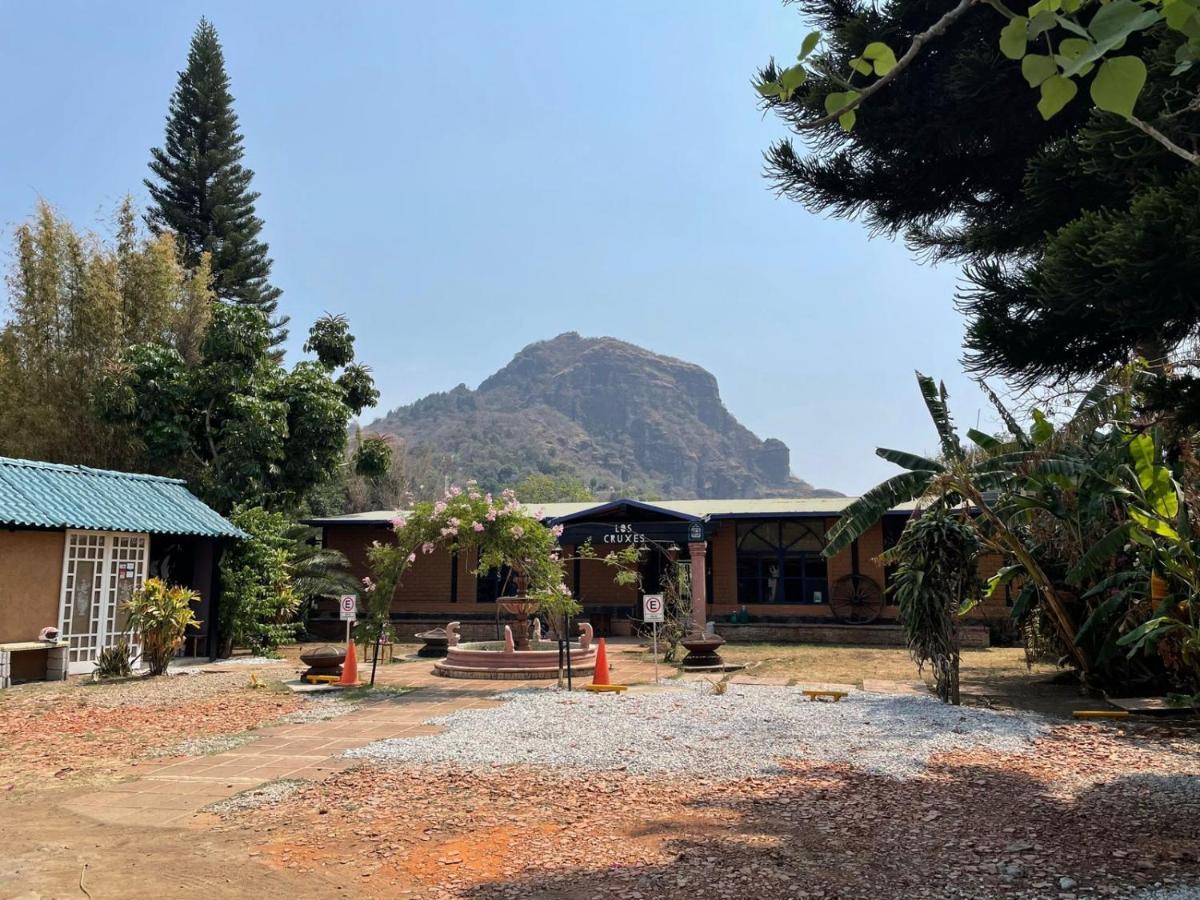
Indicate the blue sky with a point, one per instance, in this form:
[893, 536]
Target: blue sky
[461, 179]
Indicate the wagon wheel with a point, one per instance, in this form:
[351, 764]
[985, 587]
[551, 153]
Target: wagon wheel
[856, 600]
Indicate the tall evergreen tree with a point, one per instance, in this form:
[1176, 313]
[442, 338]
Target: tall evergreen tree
[201, 190]
[1079, 236]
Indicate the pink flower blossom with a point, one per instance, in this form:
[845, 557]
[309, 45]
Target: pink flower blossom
[427, 547]
[450, 532]
[399, 522]
[477, 526]
[487, 498]
[452, 522]
[491, 515]
[439, 508]
[557, 531]
[368, 584]
[412, 558]
[517, 531]
[455, 490]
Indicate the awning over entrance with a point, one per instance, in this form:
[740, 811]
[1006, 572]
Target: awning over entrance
[624, 522]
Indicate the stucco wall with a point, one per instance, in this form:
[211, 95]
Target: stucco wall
[30, 580]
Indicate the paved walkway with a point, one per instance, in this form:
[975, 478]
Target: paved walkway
[172, 792]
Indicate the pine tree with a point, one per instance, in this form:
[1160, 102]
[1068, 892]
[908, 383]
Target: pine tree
[1079, 236]
[201, 191]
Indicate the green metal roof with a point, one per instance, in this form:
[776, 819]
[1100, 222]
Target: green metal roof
[48, 495]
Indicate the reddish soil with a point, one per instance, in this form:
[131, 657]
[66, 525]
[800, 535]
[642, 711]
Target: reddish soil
[976, 825]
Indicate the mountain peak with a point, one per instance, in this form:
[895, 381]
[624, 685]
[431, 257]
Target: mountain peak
[622, 418]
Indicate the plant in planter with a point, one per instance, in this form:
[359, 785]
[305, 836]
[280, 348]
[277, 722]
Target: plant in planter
[113, 661]
[160, 614]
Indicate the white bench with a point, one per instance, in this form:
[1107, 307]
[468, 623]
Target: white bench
[56, 659]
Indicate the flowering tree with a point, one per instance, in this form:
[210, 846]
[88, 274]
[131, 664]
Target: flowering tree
[507, 535]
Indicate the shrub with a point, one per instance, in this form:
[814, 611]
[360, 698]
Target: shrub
[258, 600]
[160, 615]
[113, 661]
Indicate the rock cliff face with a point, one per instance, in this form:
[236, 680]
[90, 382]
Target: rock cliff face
[624, 419]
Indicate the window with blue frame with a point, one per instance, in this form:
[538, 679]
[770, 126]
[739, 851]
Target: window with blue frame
[779, 561]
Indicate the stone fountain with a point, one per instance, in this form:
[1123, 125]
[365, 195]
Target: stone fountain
[512, 659]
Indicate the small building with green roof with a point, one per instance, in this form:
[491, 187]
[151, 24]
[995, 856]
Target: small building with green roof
[75, 542]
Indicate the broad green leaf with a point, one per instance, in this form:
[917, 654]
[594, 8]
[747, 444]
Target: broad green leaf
[1148, 630]
[910, 461]
[1037, 68]
[770, 89]
[834, 101]
[1044, 6]
[1099, 554]
[983, 441]
[1076, 56]
[1073, 26]
[1002, 577]
[1041, 23]
[1071, 6]
[810, 42]
[1177, 13]
[1057, 92]
[1116, 20]
[881, 55]
[1118, 83]
[864, 512]
[1042, 430]
[1014, 36]
[861, 66]
[790, 79]
[847, 120]
[1155, 480]
[1024, 600]
[1100, 614]
[935, 397]
[1152, 524]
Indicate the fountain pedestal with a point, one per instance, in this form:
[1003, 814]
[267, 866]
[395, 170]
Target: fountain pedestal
[702, 653]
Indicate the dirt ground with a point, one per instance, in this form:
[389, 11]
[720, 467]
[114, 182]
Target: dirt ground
[1090, 806]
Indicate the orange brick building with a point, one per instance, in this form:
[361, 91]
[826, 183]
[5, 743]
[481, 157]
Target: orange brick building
[761, 562]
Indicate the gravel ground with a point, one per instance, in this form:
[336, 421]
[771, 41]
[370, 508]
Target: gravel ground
[205, 746]
[271, 792]
[744, 731]
[320, 709]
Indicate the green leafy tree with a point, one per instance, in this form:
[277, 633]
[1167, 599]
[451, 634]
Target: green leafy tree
[259, 600]
[238, 425]
[1076, 226]
[75, 303]
[201, 191]
[316, 572]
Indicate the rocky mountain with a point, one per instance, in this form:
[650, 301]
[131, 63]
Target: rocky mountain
[625, 420]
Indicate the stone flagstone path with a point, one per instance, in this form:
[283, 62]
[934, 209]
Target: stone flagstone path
[172, 792]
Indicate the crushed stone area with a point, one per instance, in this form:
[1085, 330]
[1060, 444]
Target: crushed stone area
[1088, 811]
[747, 730]
[271, 792]
[205, 746]
[319, 708]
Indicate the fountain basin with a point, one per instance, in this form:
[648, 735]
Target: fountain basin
[494, 660]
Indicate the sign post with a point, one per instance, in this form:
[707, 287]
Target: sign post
[349, 612]
[652, 612]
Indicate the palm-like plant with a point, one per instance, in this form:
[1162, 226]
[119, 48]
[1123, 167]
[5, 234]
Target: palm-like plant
[999, 481]
[316, 572]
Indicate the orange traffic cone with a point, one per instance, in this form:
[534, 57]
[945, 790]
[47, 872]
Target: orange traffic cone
[350, 667]
[600, 680]
[600, 676]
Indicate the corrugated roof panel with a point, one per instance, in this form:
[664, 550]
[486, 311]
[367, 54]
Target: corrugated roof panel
[48, 495]
[771, 506]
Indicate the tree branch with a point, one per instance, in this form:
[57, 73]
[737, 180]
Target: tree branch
[1193, 158]
[936, 30]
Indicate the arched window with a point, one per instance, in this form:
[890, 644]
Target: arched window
[779, 561]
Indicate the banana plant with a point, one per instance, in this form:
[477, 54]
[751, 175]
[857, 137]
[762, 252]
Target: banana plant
[1000, 481]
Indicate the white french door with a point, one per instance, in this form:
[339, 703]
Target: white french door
[101, 570]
